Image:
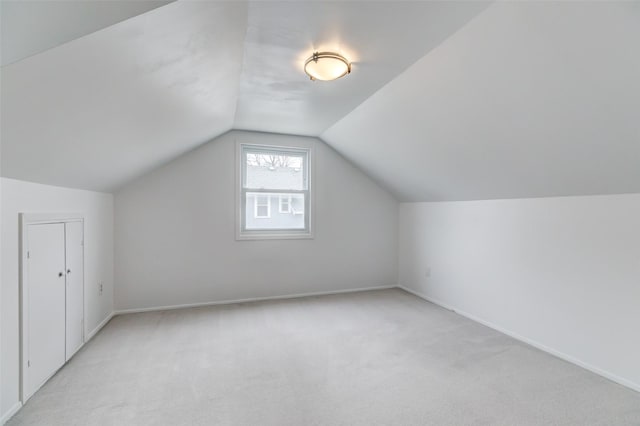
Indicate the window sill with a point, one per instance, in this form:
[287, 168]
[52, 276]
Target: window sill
[261, 235]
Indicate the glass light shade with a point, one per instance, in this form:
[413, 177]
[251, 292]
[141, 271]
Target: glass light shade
[326, 66]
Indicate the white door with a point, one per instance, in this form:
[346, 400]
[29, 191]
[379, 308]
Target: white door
[75, 285]
[46, 303]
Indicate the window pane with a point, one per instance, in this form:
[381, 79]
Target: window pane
[274, 170]
[266, 214]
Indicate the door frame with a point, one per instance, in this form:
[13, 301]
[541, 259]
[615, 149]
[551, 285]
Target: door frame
[24, 220]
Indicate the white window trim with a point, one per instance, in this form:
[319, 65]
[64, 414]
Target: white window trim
[277, 234]
[267, 205]
[286, 198]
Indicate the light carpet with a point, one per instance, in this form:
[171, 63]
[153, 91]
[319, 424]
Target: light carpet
[370, 358]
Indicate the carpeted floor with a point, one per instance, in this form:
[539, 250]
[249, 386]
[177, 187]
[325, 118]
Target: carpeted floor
[371, 358]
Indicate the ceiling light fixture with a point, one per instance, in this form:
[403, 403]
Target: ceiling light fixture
[326, 66]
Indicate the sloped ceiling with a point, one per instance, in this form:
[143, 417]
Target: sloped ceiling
[447, 100]
[100, 110]
[379, 38]
[34, 26]
[529, 99]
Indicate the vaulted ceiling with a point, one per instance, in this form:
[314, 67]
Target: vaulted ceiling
[529, 99]
[31, 27]
[446, 101]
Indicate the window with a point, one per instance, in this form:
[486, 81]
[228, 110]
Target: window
[285, 204]
[273, 176]
[262, 206]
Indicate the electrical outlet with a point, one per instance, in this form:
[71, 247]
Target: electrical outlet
[100, 286]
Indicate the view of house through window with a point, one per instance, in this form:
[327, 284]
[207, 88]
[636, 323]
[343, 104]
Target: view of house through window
[275, 189]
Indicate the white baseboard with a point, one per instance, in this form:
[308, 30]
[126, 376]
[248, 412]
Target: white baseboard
[535, 344]
[91, 334]
[252, 299]
[13, 410]
[99, 326]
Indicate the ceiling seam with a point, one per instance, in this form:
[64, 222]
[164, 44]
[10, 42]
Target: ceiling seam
[162, 3]
[244, 43]
[488, 3]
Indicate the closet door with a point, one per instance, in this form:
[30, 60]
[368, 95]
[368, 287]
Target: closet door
[75, 287]
[46, 302]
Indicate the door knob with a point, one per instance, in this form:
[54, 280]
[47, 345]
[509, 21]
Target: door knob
[68, 271]
[60, 274]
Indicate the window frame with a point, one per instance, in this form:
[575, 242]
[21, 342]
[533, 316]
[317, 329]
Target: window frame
[307, 152]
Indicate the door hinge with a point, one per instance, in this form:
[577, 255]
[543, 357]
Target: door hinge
[28, 255]
[29, 363]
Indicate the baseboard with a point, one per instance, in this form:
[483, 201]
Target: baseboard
[252, 299]
[535, 344]
[13, 410]
[99, 326]
[91, 334]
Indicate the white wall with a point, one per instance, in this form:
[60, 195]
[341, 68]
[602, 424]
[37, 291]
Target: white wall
[175, 233]
[1, 320]
[563, 273]
[19, 196]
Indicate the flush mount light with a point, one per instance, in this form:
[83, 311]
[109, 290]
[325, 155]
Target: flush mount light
[326, 66]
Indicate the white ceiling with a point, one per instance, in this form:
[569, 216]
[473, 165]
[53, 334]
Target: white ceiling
[381, 39]
[527, 100]
[31, 26]
[100, 110]
[447, 100]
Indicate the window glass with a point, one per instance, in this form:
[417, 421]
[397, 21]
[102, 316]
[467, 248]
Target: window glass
[274, 171]
[274, 192]
[260, 215]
